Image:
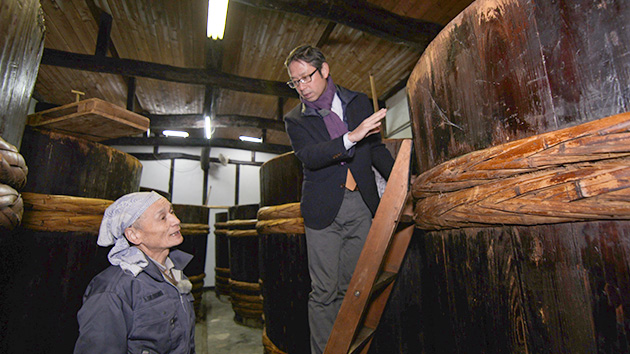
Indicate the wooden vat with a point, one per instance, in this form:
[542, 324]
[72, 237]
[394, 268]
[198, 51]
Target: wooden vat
[522, 200]
[222, 255]
[49, 261]
[195, 229]
[66, 165]
[244, 265]
[283, 257]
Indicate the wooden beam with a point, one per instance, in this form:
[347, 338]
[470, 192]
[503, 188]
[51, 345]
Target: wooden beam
[361, 15]
[97, 15]
[196, 121]
[326, 34]
[214, 142]
[145, 156]
[280, 115]
[131, 93]
[214, 61]
[165, 72]
[104, 31]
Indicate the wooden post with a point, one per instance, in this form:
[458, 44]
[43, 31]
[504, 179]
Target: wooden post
[375, 102]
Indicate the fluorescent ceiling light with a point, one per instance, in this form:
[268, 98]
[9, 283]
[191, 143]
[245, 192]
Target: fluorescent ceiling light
[208, 127]
[217, 13]
[175, 133]
[250, 139]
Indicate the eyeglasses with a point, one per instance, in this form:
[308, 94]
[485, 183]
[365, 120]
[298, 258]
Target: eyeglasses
[303, 80]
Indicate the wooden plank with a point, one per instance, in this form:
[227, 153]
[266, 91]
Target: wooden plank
[92, 119]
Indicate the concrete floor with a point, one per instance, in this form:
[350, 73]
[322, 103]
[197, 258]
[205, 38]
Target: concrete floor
[218, 333]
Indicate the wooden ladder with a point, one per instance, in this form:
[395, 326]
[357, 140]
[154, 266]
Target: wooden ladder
[378, 265]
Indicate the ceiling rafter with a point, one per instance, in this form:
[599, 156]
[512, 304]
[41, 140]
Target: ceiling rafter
[174, 121]
[150, 70]
[361, 15]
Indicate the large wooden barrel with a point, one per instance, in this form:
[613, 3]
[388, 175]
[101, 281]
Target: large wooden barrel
[195, 228]
[52, 257]
[522, 200]
[21, 45]
[63, 164]
[244, 265]
[283, 258]
[222, 255]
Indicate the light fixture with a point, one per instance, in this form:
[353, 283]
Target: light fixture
[217, 13]
[250, 139]
[208, 127]
[175, 133]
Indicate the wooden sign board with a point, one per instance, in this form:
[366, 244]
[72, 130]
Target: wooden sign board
[91, 119]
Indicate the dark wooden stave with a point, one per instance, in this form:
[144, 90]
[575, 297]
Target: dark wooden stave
[46, 274]
[194, 244]
[244, 265]
[66, 165]
[222, 256]
[22, 45]
[284, 266]
[285, 287]
[281, 180]
[243, 212]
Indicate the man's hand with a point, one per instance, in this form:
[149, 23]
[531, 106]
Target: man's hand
[369, 126]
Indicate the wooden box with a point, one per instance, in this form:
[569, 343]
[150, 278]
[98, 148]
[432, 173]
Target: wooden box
[91, 119]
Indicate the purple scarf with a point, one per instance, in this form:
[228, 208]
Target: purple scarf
[336, 127]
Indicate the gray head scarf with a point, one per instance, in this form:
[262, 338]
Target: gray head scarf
[119, 216]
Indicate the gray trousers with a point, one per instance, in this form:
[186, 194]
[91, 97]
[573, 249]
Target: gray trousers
[333, 253]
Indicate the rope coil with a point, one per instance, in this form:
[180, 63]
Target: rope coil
[579, 173]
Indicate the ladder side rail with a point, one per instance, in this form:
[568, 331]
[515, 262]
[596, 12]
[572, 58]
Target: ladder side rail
[372, 256]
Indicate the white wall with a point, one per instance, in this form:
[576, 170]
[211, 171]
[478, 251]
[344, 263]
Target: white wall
[188, 184]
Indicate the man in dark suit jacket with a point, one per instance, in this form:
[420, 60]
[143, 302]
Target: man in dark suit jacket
[334, 134]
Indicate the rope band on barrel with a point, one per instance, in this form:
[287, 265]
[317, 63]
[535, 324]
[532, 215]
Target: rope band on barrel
[574, 174]
[280, 219]
[283, 211]
[239, 224]
[195, 229]
[242, 233]
[63, 213]
[281, 226]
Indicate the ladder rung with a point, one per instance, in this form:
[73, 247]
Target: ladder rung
[365, 333]
[383, 280]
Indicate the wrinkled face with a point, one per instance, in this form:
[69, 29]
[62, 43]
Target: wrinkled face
[158, 229]
[310, 91]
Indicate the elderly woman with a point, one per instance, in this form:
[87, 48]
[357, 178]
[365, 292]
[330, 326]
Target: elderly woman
[142, 302]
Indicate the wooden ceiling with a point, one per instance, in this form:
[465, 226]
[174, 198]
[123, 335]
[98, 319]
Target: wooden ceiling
[160, 63]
